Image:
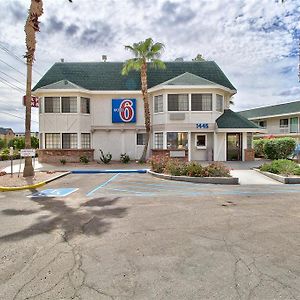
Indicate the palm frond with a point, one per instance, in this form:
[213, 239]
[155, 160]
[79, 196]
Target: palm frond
[157, 47]
[132, 49]
[133, 64]
[157, 64]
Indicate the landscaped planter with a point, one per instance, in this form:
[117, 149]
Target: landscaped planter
[281, 178]
[212, 180]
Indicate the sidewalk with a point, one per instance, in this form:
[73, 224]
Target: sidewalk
[251, 177]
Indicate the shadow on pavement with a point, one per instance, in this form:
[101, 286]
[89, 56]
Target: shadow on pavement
[91, 218]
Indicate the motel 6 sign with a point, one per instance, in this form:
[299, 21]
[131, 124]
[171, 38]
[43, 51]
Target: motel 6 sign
[34, 101]
[124, 110]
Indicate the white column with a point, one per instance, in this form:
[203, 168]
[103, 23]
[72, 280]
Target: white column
[189, 146]
[215, 147]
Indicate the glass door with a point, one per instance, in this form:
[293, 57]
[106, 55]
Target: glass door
[234, 146]
[294, 125]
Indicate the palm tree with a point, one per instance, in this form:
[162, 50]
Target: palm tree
[31, 27]
[144, 52]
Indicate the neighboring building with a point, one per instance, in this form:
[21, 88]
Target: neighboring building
[278, 120]
[22, 134]
[6, 134]
[92, 106]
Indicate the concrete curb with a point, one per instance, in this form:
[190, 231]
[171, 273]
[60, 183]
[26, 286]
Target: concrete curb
[31, 186]
[99, 171]
[210, 180]
[280, 178]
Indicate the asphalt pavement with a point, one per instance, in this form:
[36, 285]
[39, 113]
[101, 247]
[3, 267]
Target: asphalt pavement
[133, 236]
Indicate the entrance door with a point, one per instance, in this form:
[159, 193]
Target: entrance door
[234, 146]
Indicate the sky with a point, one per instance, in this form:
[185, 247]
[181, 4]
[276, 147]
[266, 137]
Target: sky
[255, 42]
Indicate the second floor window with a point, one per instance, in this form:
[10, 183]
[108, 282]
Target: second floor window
[69, 104]
[201, 102]
[52, 104]
[284, 123]
[85, 105]
[219, 103]
[262, 124]
[178, 102]
[158, 104]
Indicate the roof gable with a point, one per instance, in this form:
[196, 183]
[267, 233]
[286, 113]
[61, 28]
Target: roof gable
[231, 119]
[188, 79]
[272, 110]
[62, 84]
[106, 76]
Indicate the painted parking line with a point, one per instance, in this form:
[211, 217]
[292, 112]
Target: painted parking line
[101, 185]
[54, 193]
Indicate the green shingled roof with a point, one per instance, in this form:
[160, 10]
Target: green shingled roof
[279, 109]
[231, 119]
[107, 75]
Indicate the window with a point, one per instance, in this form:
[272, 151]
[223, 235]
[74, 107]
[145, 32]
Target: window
[178, 102]
[158, 140]
[294, 125]
[41, 141]
[69, 104]
[201, 102]
[219, 103]
[85, 105]
[284, 123]
[249, 140]
[52, 140]
[85, 140]
[141, 139]
[262, 124]
[158, 104]
[69, 140]
[52, 104]
[201, 141]
[177, 140]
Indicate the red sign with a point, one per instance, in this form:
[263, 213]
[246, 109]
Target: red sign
[34, 101]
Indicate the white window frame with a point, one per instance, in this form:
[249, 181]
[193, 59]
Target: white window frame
[158, 112]
[202, 111]
[222, 106]
[136, 139]
[178, 111]
[284, 126]
[196, 139]
[157, 132]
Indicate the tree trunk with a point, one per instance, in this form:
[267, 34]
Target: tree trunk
[31, 27]
[28, 169]
[146, 110]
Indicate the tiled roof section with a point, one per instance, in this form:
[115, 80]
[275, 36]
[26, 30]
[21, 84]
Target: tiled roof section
[188, 79]
[231, 119]
[4, 130]
[106, 76]
[62, 84]
[279, 109]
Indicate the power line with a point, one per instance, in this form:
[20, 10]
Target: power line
[12, 67]
[7, 113]
[11, 85]
[12, 77]
[17, 57]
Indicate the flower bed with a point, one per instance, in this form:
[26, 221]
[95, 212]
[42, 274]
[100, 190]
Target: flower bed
[173, 169]
[282, 167]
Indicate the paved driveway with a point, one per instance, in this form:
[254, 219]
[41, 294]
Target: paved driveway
[139, 237]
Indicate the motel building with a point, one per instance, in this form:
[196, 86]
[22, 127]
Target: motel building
[85, 107]
[279, 120]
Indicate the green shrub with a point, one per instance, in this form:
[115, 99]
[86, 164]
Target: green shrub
[176, 167]
[63, 161]
[124, 158]
[281, 166]
[258, 146]
[84, 159]
[158, 163]
[105, 158]
[216, 170]
[194, 170]
[2, 143]
[280, 148]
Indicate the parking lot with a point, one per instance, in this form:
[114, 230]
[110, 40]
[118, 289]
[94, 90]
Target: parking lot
[133, 236]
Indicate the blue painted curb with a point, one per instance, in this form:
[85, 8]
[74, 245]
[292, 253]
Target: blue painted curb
[107, 171]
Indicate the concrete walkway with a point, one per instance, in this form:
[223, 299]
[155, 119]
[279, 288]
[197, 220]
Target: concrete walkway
[250, 177]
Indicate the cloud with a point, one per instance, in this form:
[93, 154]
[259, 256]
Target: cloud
[18, 11]
[294, 91]
[72, 29]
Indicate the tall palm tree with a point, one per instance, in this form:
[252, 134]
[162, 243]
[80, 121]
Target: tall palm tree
[144, 52]
[31, 27]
